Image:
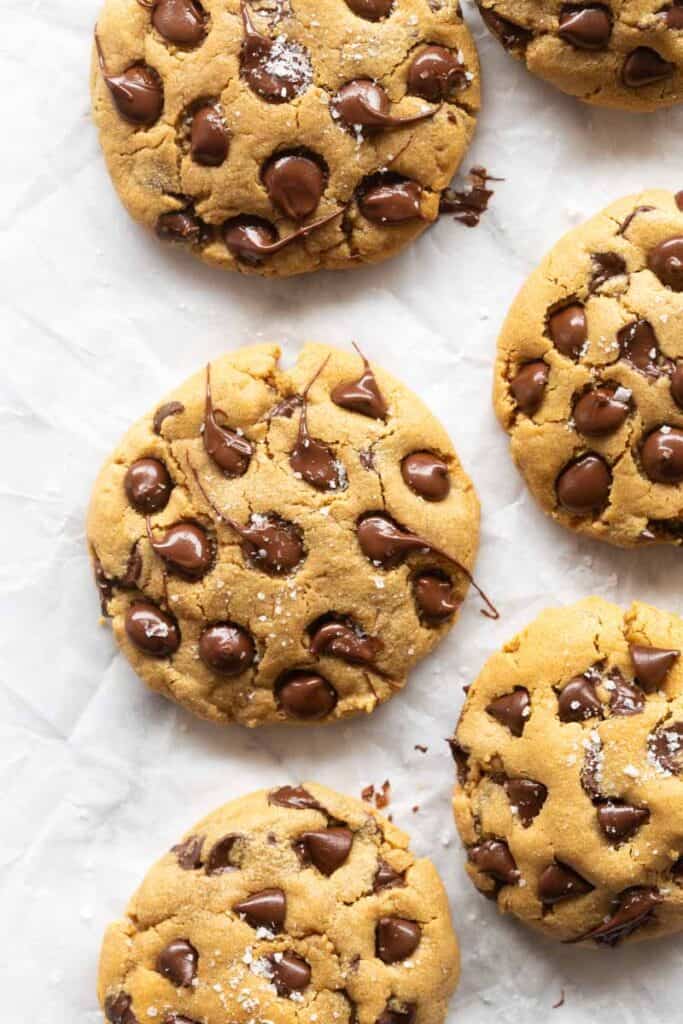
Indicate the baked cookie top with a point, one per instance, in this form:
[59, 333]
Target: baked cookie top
[625, 53]
[589, 374]
[570, 753]
[283, 546]
[280, 136]
[294, 905]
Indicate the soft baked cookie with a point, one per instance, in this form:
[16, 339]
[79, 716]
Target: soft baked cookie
[283, 546]
[280, 136]
[569, 752]
[589, 374]
[617, 54]
[294, 905]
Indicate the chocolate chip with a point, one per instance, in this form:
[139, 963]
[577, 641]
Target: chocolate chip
[189, 853]
[662, 455]
[295, 797]
[252, 239]
[392, 200]
[294, 183]
[227, 648]
[230, 450]
[427, 475]
[338, 638]
[673, 15]
[528, 386]
[652, 665]
[106, 584]
[137, 92]
[468, 205]
[435, 73]
[578, 700]
[493, 858]
[148, 485]
[306, 695]
[638, 345]
[276, 69]
[602, 410]
[435, 597]
[313, 460]
[666, 262]
[635, 907]
[178, 963]
[163, 412]
[629, 220]
[645, 66]
[511, 35]
[396, 938]
[362, 396]
[583, 486]
[218, 860]
[182, 226]
[185, 548]
[286, 408]
[209, 143]
[677, 383]
[586, 28]
[568, 329]
[264, 909]
[389, 1016]
[527, 797]
[272, 544]
[386, 877]
[117, 1009]
[328, 848]
[385, 543]
[665, 746]
[606, 265]
[371, 10]
[625, 699]
[461, 759]
[512, 710]
[620, 821]
[182, 22]
[152, 631]
[291, 973]
[559, 882]
[364, 103]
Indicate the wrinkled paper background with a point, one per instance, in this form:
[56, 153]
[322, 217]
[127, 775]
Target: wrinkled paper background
[99, 775]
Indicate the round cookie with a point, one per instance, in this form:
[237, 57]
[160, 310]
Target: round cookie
[589, 375]
[283, 546]
[294, 905]
[281, 136]
[569, 756]
[617, 54]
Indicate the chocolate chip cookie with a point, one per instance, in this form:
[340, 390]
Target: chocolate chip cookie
[283, 546]
[569, 753]
[280, 136]
[617, 54]
[589, 375]
[296, 904]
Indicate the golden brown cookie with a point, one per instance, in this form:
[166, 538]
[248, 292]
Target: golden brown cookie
[283, 546]
[589, 375]
[292, 906]
[280, 136]
[570, 753]
[625, 53]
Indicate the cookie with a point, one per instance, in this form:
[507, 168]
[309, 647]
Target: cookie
[625, 55]
[569, 752]
[283, 546]
[589, 375]
[296, 904]
[282, 136]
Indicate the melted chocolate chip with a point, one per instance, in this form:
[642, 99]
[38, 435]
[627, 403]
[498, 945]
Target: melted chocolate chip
[371, 10]
[163, 412]
[185, 548]
[178, 963]
[606, 265]
[363, 395]
[620, 821]
[252, 239]
[148, 485]
[527, 797]
[313, 460]
[512, 710]
[286, 408]
[528, 386]
[666, 747]
[559, 882]
[625, 699]
[294, 183]
[182, 22]
[586, 28]
[629, 220]
[137, 92]
[645, 66]
[666, 262]
[264, 909]
[638, 345]
[386, 877]
[385, 543]
[568, 329]
[227, 648]
[189, 853]
[583, 486]
[291, 973]
[635, 908]
[652, 665]
[435, 597]
[468, 206]
[393, 201]
[182, 226]
[272, 544]
[673, 17]
[493, 858]
[218, 861]
[306, 695]
[363, 103]
[677, 384]
[230, 450]
[328, 848]
[106, 584]
[294, 797]
[662, 455]
[276, 69]
[511, 35]
[339, 638]
[602, 410]
[578, 700]
[396, 939]
[209, 143]
[427, 475]
[118, 1009]
[461, 759]
[435, 73]
[389, 1016]
[152, 631]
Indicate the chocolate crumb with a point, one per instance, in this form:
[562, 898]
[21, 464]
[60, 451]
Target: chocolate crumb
[423, 750]
[560, 1001]
[468, 206]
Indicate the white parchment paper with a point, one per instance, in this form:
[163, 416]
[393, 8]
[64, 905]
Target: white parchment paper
[98, 320]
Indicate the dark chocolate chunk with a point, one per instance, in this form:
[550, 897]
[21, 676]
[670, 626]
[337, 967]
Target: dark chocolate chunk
[397, 938]
[583, 486]
[178, 963]
[306, 695]
[227, 648]
[512, 710]
[152, 631]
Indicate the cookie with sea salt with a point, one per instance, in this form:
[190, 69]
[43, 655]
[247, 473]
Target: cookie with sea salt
[281, 136]
[294, 905]
[589, 375]
[283, 546]
[616, 54]
[569, 752]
